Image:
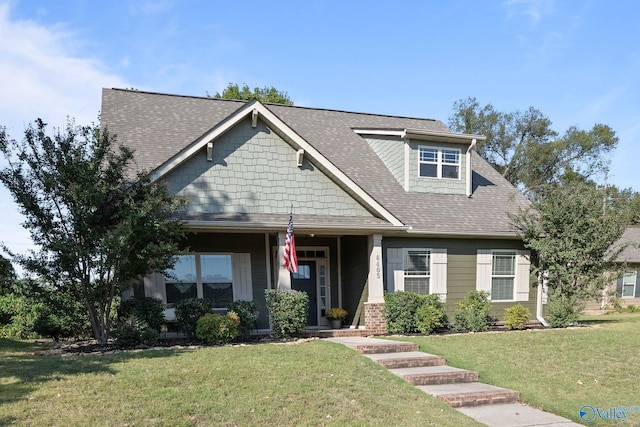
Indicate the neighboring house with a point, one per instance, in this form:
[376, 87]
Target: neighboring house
[628, 286]
[380, 203]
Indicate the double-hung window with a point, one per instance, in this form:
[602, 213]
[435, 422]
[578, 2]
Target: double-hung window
[417, 270]
[205, 276]
[503, 275]
[629, 284]
[439, 162]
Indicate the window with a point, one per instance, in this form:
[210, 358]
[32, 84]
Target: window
[629, 284]
[201, 276]
[503, 274]
[439, 163]
[417, 271]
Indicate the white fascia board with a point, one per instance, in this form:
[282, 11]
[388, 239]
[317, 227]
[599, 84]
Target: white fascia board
[301, 227]
[293, 138]
[440, 136]
[385, 132]
[210, 136]
[468, 234]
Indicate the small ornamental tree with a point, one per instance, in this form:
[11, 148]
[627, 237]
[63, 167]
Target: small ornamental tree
[98, 224]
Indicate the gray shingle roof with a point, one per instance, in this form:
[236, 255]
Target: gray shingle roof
[631, 253]
[157, 126]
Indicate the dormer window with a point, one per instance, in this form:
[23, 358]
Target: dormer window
[439, 162]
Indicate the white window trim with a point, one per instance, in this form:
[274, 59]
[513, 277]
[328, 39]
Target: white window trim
[508, 276]
[440, 163]
[405, 253]
[438, 270]
[484, 273]
[635, 281]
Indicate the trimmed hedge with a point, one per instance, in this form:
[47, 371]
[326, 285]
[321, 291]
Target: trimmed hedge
[288, 311]
[408, 312]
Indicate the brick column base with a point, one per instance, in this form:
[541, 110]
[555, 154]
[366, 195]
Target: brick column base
[374, 320]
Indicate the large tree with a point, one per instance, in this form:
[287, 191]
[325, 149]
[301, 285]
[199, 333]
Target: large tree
[524, 148]
[572, 230]
[7, 275]
[98, 225]
[264, 94]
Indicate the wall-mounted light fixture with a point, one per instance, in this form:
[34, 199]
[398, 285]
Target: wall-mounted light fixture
[210, 151]
[299, 157]
[254, 118]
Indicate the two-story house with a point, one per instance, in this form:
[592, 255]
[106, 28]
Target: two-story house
[380, 204]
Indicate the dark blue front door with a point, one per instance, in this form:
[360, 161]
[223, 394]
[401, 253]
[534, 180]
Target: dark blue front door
[305, 280]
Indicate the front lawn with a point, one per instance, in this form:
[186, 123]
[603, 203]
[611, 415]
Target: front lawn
[312, 383]
[559, 370]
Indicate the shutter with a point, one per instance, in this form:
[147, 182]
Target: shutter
[619, 287]
[242, 284]
[154, 286]
[395, 271]
[438, 284]
[523, 275]
[483, 270]
[637, 294]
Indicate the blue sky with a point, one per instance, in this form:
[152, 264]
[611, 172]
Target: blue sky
[576, 61]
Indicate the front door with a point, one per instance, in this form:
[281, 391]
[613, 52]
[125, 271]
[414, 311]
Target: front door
[305, 280]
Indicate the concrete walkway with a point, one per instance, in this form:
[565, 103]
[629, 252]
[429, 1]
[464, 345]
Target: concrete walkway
[490, 405]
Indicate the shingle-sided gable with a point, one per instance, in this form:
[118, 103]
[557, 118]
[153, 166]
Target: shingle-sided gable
[159, 126]
[631, 239]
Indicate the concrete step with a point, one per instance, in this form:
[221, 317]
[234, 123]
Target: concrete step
[410, 359]
[429, 375]
[390, 347]
[471, 394]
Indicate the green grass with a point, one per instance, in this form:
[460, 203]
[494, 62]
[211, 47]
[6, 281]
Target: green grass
[314, 383]
[558, 370]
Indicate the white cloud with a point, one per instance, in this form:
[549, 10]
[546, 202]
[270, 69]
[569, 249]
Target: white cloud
[43, 74]
[535, 10]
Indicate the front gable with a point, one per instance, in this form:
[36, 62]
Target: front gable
[253, 170]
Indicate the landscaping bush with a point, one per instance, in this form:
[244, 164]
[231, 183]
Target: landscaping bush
[188, 312]
[516, 316]
[408, 312]
[473, 312]
[288, 311]
[564, 310]
[148, 309]
[400, 311]
[430, 316]
[133, 331]
[248, 314]
[214, 328]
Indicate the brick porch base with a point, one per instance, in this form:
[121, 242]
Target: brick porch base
[374, 321]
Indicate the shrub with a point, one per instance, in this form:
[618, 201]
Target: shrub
[188, 312]
[288, 311]
[564, 310]
[133, 331]
[148, 309]
[430, 316]
[632, 308]
[17, 317]
[248, 314]
[516, 316]
[400, 311]
[473, 312]
[214, 328]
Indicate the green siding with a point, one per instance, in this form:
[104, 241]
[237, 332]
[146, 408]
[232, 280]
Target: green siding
[391, 152]
[253, 170]
[461, 268]
[355, 271]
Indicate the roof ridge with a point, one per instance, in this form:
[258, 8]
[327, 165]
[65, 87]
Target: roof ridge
[273, 104]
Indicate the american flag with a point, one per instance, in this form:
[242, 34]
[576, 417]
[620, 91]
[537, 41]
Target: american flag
[290, 257]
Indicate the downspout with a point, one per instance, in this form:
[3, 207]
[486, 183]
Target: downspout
[539, 304]
[469, 181]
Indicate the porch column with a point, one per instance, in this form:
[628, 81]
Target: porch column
[376, 288]
[284, 278]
